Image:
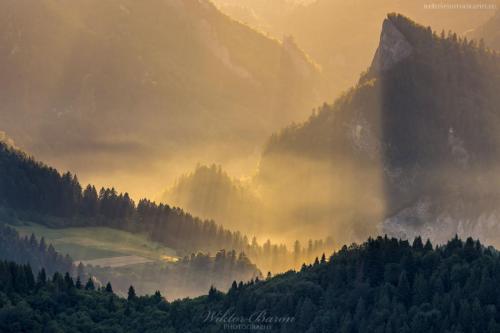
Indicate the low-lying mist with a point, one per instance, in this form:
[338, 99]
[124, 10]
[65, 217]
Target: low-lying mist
[401, 151]
[311, 200]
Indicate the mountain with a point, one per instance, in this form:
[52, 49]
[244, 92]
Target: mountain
[414, 143]
[342, 35]
[268, 16]
[136, 86]
[209, 192]
[489, 32]
[382, 285]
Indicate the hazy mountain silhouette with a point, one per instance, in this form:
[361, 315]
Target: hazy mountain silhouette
[128, 83]
[489, 32]
[209, 192]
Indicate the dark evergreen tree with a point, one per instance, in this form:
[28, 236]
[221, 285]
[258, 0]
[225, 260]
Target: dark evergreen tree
[90, 284]
[131, 293]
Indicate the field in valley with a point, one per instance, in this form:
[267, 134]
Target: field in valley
[101, 246]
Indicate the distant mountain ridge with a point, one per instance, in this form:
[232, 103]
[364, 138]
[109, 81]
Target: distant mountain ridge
[341, 35]
[489, 32]
[154, 79]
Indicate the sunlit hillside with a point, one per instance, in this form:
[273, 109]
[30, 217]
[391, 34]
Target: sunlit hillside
[209, 192]
[147, 89]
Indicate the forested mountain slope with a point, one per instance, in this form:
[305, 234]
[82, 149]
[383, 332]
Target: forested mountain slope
[31, 191]
[209, 192]
[382, 285]
[416, 139]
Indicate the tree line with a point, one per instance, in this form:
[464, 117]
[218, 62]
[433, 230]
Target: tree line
[382, 285]
[189, 277]
[29, 250]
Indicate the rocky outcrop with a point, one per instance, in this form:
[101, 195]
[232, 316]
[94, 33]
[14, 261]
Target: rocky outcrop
[392, 49]
[428, 219]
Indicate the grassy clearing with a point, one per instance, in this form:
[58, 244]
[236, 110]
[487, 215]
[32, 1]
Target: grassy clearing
[91, 243]
[117, 261]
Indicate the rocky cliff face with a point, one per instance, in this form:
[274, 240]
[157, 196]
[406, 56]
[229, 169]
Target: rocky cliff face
[440, 148]
[393, 47]
[428, 219]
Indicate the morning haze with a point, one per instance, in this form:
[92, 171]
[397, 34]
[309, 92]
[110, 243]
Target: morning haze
[175, 148]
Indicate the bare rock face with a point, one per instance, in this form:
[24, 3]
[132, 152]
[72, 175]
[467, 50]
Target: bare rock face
[393, 48]
[429, 219]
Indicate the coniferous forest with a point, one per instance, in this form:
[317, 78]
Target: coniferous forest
[29, 250]
[190, 276]
[33, 191]
[382, 285]
[42, 193]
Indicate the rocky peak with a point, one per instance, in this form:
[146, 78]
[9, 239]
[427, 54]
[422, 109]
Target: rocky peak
[393, 48]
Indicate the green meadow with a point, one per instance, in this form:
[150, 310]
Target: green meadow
[88, 243]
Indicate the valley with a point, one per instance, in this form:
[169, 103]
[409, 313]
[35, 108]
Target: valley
[309, 166]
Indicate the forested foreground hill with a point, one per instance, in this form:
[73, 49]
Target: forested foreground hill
[382, 285]
[34, 191]
[188, 277]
